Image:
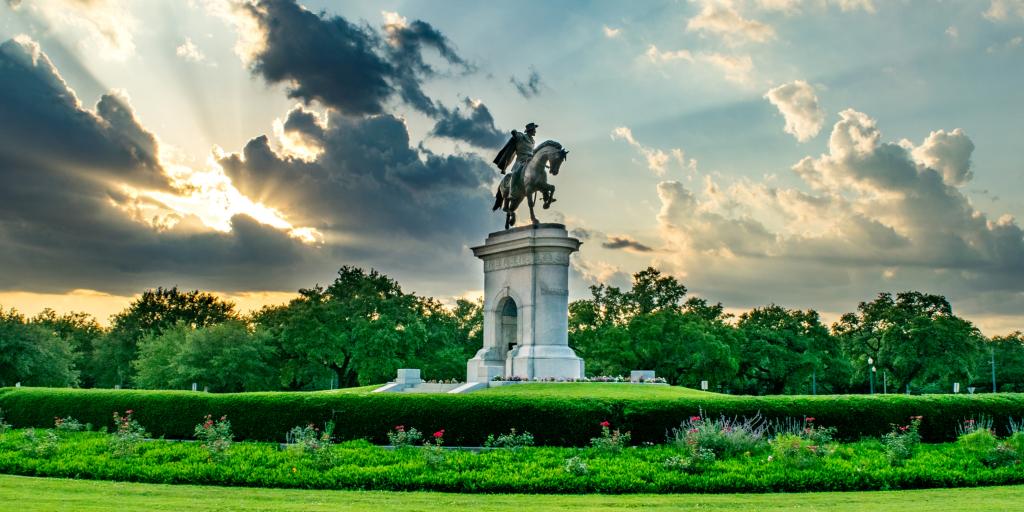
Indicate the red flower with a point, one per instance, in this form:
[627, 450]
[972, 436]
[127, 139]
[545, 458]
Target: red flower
[694, 418]
[809, 420]
[605, 424]
[400, 428]
[129, 411]
[904, 428]
[439, 434]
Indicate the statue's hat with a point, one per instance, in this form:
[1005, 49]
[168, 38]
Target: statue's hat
[531, 125]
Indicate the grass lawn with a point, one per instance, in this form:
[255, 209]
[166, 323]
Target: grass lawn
[595, 390]
[28, 494]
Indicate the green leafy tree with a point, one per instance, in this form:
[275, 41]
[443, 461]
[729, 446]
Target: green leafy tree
[225, 357]
[781, 350]
[651, 327]
[362, 328]
[82, 332]
[152, 313]
[33, 355]
[1009, 357]
[914, 337]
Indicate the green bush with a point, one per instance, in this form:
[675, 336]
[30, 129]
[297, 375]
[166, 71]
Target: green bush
[359, 465]
[469, 419]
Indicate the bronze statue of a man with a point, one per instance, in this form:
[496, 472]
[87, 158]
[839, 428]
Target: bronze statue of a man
[519, 146]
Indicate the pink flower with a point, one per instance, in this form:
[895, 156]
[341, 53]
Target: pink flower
[809, 420]
[605, 424]
[694, 418]
[904, 428]
[400, 428]
[439, 434]
[129, 411]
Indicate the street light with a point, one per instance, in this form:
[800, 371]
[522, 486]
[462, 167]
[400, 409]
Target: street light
[871, 375]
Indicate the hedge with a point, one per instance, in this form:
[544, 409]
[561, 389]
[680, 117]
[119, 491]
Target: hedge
[468, 419]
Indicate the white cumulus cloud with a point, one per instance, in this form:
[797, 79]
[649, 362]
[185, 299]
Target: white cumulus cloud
[721, 18]
[657, 160]
[799, 106]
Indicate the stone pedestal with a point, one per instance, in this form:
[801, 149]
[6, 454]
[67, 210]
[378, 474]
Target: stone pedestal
[526, 305]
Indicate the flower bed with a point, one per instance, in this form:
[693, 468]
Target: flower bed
[650, 469]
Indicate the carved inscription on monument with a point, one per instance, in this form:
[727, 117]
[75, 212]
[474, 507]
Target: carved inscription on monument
[522, 260]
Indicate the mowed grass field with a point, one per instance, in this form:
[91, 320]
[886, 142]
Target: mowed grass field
[28, 494]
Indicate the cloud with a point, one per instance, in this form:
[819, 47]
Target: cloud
[657, 160]
[189, 51]
[666, 56]
[737, 68]
[799, 106]
[953, 32]
[352, 68]
[1010, 44]
[531, 87]
[104, 27]
[89, 199]
[611, 33]
[625, 242]
[791, 7]
[473, 123]
[721, 18]
[882, 216]
[79, 198]
[1003, 10]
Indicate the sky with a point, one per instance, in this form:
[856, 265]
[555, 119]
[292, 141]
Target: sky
[807, 153]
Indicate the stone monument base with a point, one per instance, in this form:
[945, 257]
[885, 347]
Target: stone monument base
[544, 361]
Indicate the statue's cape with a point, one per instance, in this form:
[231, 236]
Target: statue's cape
[506, 154]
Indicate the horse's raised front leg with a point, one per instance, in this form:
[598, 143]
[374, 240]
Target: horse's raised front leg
[530, 200]
[549, 195]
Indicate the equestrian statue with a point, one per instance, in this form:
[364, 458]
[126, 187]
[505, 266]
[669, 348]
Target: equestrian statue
[529, 174]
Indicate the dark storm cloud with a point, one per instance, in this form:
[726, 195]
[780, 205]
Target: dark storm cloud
[531, 87]
[61, 167]
[369, 180]
[349, 67]
[625, 242]
[305, 123]
[472, 123]
[43, 120]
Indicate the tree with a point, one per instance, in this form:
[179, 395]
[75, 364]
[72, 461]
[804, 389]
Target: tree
[82, 332]
[33, 355]
[914, 338]
[781, 350]
[152, 313]
[226, 357]
[650, 327]
[362, 328]
[1009, 358]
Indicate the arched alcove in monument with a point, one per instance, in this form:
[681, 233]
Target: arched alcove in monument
[509, 326]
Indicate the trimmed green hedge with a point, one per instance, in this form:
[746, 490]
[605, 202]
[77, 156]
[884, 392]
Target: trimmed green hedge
[468, 419]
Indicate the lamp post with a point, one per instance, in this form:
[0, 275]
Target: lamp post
[993, 368]
[871, 375]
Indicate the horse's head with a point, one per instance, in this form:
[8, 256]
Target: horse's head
[557, 159]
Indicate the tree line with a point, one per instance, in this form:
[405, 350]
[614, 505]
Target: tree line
[363, 326]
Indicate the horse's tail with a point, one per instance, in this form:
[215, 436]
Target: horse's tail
[497, 200]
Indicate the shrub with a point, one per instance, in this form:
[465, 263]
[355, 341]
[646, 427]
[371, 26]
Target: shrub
[797, 451]
[68, 424]
[610, 440]
[723, 437]
[41, 445]
[901, 442]
[401, 438]
[215, 436]
[127, 435]
[510, 440]
[4, 426]
[309, 440]
[433, 453]
[575, 466]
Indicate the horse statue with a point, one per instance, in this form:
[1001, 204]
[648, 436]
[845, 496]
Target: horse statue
[533, 178]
